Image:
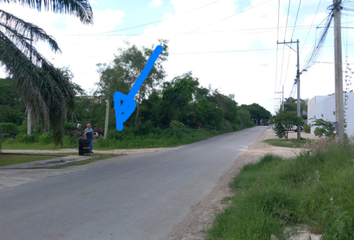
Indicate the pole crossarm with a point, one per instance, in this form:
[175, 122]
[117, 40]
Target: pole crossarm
[286, 43]
[298, 81]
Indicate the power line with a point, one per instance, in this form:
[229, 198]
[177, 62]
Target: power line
[292, 35]
[313, 20]
[297, 14]
[266, 29]
[146, 24]
[282, 60]
[235, 14]
[276, 61]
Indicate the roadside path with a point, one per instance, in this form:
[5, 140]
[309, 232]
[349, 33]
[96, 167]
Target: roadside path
[138, 196]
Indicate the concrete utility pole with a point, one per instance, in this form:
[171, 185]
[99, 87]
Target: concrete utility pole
[107, 119]
[297, 81]
[282, 98]
[338, 68]
[298, 90]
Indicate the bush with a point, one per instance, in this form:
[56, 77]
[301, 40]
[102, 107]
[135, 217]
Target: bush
[46, 138]
[24, 138]
[70, 126]
[10, 129]
[307, 128]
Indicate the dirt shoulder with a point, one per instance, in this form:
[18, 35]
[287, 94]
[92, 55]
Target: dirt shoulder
[203, 215]
[74, 150]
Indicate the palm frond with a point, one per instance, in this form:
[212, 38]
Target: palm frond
[78, 8]
[43, 87]
[21, 32]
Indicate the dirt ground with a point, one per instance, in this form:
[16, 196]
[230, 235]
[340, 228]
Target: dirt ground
[73, 150]
[203, 215]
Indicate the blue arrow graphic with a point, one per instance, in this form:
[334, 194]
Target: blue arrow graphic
[125, 104]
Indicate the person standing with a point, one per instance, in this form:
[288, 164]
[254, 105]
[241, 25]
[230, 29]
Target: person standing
[89, 135]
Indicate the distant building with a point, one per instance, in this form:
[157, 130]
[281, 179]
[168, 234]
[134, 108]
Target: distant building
[323, 107]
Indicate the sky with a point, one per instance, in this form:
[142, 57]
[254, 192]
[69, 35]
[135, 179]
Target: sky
[228, 44]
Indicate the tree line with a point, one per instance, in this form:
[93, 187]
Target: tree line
[181, 103]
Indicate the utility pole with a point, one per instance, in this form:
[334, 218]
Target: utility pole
[338, 68]
[29, 117]
[107, 118]
[282, 98]
[297, 81]
[298, 91]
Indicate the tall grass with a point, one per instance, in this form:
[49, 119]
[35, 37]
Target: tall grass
[315, 189]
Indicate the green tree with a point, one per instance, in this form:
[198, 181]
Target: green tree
[133, 61]
[12, 109]
[284, 121]
[290, 104]
[257, 112]
[42, 86]
[177, 95]
[324, 128]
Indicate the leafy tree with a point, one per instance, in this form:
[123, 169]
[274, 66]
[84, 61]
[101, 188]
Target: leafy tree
[290, 104]
[244, 118]
[226, 103]
[324, 128]
[133, 61]
[257, 112]
[284, 121]
[177, 95]
[12, 109]
[42, 86]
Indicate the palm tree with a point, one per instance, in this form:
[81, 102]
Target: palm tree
[43, 87]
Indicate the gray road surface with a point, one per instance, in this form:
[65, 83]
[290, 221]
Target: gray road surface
[141, 196]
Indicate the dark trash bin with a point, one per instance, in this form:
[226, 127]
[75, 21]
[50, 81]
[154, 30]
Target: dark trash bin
[84, 146]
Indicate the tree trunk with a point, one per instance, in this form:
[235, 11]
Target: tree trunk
[29, 121]
[107, 119]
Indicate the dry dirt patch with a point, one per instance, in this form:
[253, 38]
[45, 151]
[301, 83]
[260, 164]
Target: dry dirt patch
[203, 215]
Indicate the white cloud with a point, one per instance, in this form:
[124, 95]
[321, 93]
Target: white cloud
[155, 4]
[93, 2]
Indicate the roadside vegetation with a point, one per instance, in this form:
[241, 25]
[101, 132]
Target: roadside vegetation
[293, 143]
[277, 196]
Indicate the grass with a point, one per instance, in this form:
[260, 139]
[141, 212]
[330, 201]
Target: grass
[10, 159]
[121, 140]
[314, 190]
[96, 158]
[294, 143]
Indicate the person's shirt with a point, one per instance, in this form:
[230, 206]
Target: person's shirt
[89, 133]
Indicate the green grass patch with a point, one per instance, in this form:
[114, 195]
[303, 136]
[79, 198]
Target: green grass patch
[10, 159]
[97, 157]
[314, 190]
[293, 143]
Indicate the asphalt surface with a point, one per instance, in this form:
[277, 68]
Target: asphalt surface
[141, 196]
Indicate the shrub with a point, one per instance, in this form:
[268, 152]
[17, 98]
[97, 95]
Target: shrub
[46, 138]
[70, 126]
[10, 129]
[307, 128]
[176, 126]
[325, 128]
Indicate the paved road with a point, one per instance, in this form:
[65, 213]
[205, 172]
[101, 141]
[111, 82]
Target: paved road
[142, 196]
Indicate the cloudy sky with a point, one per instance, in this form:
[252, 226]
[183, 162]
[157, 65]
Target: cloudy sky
[228, 44]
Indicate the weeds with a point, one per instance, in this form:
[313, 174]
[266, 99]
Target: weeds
[314, 189]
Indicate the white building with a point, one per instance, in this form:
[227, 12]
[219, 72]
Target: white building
[324, 107]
